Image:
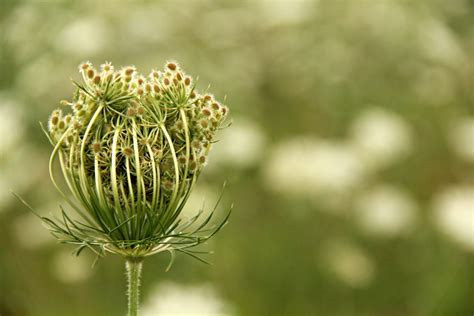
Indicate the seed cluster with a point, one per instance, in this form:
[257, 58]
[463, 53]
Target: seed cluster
[134, 144]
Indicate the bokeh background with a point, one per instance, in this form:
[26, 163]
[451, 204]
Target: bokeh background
[349, 161]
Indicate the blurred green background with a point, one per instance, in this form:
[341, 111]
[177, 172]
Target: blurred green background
[349, 161]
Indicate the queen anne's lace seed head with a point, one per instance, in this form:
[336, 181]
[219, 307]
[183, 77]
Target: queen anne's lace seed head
[130, 149]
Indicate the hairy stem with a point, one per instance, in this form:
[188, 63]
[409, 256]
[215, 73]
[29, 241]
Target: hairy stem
[134, 271]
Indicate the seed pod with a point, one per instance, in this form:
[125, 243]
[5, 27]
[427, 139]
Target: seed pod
[128, 152]
[90, 73]
[171, 66]
[131, 112]
[96, 147]
[206, 112]
[96, 79]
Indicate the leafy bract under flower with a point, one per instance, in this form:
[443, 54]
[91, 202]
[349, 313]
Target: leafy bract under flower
[130, 150]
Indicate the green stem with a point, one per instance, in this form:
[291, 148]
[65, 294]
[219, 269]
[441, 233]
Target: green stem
[134, 271]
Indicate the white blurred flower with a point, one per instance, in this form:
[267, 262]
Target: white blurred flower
[380, 136]
[83, 37]
[311, 166]
[438, 42]
[23, 21]
[385, 211]
[454, 214]
[284, 12]
[461, 137]
[349, 263]
[142, 20]
[386, 20]
[240, 146]
[37, 235]
[11, 127]
[34, 79]
[68, 268]
[179, 300]
[19, 170]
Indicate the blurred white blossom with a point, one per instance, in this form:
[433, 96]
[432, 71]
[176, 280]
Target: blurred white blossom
[18, 173]
[83, 37]
[283, 12]
[22, 22]
[454, 214]
[240, 146]
[380, 136]
[11, 127]
[349, 263]
[461, 137]
[68, 268]
[179, 300]
[385, 211]
[37, 235]
[313, 167]
[437, 42]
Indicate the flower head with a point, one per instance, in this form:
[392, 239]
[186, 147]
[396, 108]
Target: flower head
[130, 150]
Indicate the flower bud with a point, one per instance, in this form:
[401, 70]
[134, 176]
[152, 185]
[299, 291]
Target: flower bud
[196, 144]
[204, 123]
[84, 66]
[148, 87]
[96, 79]
[206, 112]
[131, 112]
[90, 73]
[107, 67]
[96, 147]
[182, 159]
[61, 124]
[54, 120]
[215, 106]
[172, 66]
[127, 151]
[168, 185]
[179, 125]
[155, 74]
[129, 71]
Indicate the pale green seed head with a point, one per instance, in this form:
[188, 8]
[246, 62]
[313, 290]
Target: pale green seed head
[127, 151]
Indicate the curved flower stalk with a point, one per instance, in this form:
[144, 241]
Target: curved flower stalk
[130, 150]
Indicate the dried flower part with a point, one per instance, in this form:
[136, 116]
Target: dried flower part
[127, 151]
